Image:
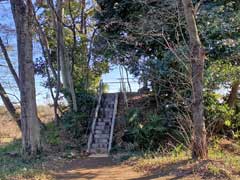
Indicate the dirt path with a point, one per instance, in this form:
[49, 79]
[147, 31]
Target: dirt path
[106, 169]
[96, 169]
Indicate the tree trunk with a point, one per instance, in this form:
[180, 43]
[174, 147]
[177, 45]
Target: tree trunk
[65, 63]
[47, 55]
[9, 106]
[22, 14]
[127, 78]
[45, 45]
[233, 94]
[60, 44]
[15, 76]
[199, 149]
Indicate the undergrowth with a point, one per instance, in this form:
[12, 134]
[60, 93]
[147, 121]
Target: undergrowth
[13, 167]
[222, 163]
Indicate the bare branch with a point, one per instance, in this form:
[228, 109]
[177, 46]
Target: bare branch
[9, 63]
[197, 6]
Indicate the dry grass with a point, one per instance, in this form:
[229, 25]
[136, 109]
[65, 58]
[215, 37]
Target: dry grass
[222, 164]
[32, 175]
[9, 130]
[12, 166]
[45, 113]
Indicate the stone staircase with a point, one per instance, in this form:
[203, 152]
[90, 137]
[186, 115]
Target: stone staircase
[100, 139]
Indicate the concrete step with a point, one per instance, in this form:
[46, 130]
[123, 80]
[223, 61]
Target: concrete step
[102, 127]
[104, 120]
[106, 109]
[100, 140]
[106, 115]
[99, 145]
[101, 123]
[99, 150]
[98, 127]
[102, 131]
[96, 136]
[99, 155]
[106, 124]
[109, 100]
[108, 105]
[101, 134]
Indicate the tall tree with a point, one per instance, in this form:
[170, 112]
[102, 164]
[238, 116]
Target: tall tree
[49, 65]
[66, 67]
[22, 14]
[197, 57]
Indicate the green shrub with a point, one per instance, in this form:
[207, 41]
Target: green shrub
[147, 132]
[218, 115]
[52, 135]
[77, 123]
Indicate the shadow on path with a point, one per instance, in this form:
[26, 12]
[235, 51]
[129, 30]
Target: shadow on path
[105, 169]
[95, 168]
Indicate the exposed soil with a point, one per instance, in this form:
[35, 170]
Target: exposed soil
[96, 169]
[106, 169]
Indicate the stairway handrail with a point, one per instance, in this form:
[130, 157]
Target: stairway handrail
[113, 122]
[90, 138]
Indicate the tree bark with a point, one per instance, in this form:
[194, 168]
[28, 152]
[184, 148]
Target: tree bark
[83, 23]
[233, 94]
[127, 78]
[64, 62]
[22, 14]
[197, 56]
[9, 106]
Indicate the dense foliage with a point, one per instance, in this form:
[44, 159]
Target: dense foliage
[149, 38]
